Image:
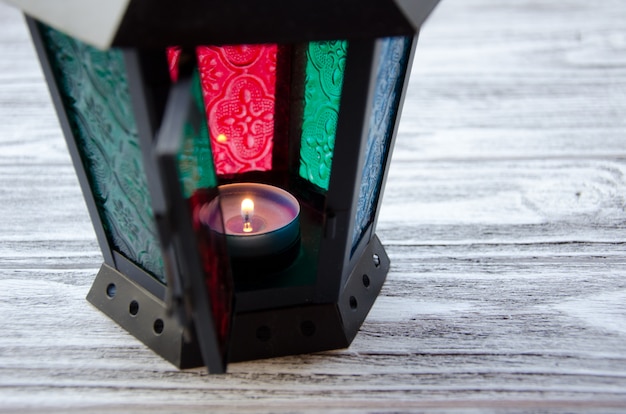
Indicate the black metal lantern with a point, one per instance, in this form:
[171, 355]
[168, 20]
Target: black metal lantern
[233, 157]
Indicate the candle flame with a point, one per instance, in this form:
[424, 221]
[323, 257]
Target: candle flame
[247, 211]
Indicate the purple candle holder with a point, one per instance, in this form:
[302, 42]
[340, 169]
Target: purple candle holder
[267, 233]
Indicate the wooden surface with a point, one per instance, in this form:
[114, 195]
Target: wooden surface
[504, 217]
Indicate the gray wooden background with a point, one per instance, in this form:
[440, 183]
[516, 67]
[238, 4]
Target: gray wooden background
[504, 216]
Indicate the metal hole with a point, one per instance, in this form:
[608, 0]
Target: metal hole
[158, 326]
[133, 308]
[353, 303]
[366, 281]
[111, 290]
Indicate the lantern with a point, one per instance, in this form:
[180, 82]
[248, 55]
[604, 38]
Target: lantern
[233, 157]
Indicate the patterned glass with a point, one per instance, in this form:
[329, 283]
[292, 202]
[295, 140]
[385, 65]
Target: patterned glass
[324, 71]
[239, 86]
[95, 94]
[389, 80]
[195, 159]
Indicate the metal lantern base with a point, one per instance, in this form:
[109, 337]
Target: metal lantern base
[255, 334]
[143, 315]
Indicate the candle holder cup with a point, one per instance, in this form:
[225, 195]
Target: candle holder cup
[173, 112]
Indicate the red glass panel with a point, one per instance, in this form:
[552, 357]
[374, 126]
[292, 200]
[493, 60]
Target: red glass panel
[173, 54]
[215, 262]
[239, 86]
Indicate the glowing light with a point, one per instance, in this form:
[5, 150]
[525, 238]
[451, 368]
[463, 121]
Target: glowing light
[222, 138]
[247, 211]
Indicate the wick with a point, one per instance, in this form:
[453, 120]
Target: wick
[247, 211]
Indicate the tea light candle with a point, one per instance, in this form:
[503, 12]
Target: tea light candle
[259, 220]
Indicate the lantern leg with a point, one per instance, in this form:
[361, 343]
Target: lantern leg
[144, 316]
[363, 287]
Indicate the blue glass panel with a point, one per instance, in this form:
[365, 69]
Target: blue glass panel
[95, 94]
[389, 80]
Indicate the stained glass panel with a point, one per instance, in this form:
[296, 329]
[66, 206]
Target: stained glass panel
[173, 56]
[389, 79]
[95, 93]
[239, 86]
[325, 65]
[195, 159]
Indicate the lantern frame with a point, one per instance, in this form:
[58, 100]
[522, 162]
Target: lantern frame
[265, 323]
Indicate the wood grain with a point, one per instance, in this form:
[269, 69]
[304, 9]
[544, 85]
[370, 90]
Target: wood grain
[504, 217]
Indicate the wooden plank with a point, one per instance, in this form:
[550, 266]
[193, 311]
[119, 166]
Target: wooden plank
[518, 79]
[504, 200]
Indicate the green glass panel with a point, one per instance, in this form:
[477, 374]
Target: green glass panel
[195, 159]
[324, 70]
[95, 94]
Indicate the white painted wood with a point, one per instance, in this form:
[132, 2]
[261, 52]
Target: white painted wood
[504, 217]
